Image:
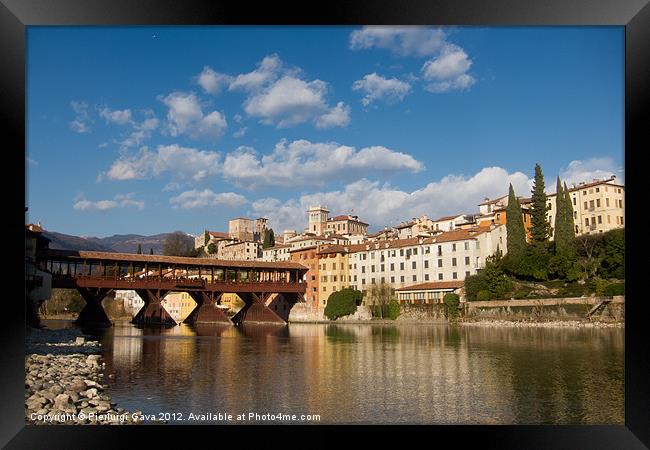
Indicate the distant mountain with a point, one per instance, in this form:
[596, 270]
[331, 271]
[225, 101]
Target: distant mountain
[120, 243]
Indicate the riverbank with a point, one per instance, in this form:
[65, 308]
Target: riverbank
[65, 382]
[549, 324]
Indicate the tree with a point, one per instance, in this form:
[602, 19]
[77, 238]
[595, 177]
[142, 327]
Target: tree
[151, 251]
[212, 248]
[178, 244]
[540, 229]
[342, 303]
[378, 296]
[452, 301]
[139, 251]
[516, 234]
[611, 251]
[206, 238]
[269, 238]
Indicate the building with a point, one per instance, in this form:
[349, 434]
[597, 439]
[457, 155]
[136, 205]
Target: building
[307, 256]
[241, 229]
[213, 237]
[131, 301]
[179, 305]
[493, 212]
[320, 223]
[240, 250]
[597, 206]
[333, 270]
[279, 252]
[448, 256]
[346, 224]
[428, 293]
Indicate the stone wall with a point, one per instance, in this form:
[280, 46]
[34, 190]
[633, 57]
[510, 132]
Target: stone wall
[542, 310]
[423, 313]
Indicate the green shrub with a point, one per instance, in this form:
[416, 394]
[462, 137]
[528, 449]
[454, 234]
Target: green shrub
[483, 295]
[600, 286]
[393, 310]
[452, 301]
[615, 289]
[521, 293]
[342, 303]
[473, 285]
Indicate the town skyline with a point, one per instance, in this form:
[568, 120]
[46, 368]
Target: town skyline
[138, 142]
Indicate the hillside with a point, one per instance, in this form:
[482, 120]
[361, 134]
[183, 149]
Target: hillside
[121, 243]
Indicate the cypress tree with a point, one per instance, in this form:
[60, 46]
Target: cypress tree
[570, 224]
[206, 238]
[272, 237]
[516, 235]
[151, 251]
[139, 252]
[560, 233]
[540, 229]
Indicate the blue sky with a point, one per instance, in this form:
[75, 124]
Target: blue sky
[155, 129]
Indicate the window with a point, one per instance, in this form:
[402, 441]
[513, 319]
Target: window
[597, 190]
[324, 288]
[478, 245]
[415, 251]
[401, 266]
[427, 250]
[440, 250]
[383, 279]
[401, 279]
[440, 276]
[467, 273]
[363, 281]
[426, 264]
[598, 202]
[466, 245]
[600, 219]
[621, 220]
[401, 252]
[426, 277]
[383, 267]
[415, 278]
[574, 201]
[453, 247]
[413, 266]
[392, 279]
[575, 214]
[591, 191]
[591, 203]
[440, 263]
[372, 268]
[586, 207]
[392, 266]
[467, 260]
[584, 192]
[363, 269]
[609, 219]
[593, 221]
[334, 278]
[454, 275]
[355, 278]
[453, 261]
[607, 202]
[586, 221]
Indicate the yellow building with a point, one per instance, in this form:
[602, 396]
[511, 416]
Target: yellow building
[179, 305]
[333, 270]
[597, 206]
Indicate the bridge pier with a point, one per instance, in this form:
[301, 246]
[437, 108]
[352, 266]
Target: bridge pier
[153, 312]
[255, 310]
[93, 313]
[206, 311]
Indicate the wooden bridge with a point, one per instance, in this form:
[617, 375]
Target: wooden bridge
[96, 274]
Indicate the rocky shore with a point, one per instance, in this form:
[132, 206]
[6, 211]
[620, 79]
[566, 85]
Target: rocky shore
[64, 381]
[549, 324]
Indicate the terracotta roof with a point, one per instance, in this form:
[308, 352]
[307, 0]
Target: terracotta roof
[489, 202]
[300, 249]
[277, 246]
[81, 255]
[405, 225]
[219, 234]
[332, 248]
[579, 187]
[345, 217]
[448, 217]
[434, 285]
[447, 236]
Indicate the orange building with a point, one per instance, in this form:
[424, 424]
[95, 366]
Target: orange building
[494, 212]
[307, 256]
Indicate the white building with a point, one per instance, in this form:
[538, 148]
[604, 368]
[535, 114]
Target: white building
[448, 256]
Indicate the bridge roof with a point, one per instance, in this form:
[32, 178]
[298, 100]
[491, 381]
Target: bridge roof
[194, 262]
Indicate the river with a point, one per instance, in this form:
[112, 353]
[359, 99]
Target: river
[366, 374]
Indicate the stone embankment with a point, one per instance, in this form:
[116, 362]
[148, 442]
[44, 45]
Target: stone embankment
[550, 324]
[64, 381]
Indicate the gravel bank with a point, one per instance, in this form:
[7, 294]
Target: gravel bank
[64, 381]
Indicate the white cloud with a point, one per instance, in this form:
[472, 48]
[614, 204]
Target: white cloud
[141, 131]
[184, 163]
[82, 120]
[590, 169]
[213, 82]
[377, 87]
[291, 101]
[384, 205]
[201, 199]
[120, 117]
[448, 71]
[267, 71]
[401, 40]
[303, 163]
[119, 201]
[185, 116]
[240, 133]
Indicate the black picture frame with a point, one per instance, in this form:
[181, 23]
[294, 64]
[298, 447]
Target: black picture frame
[634, 15]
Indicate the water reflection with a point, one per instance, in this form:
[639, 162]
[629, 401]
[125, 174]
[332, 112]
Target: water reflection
[425, 374]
